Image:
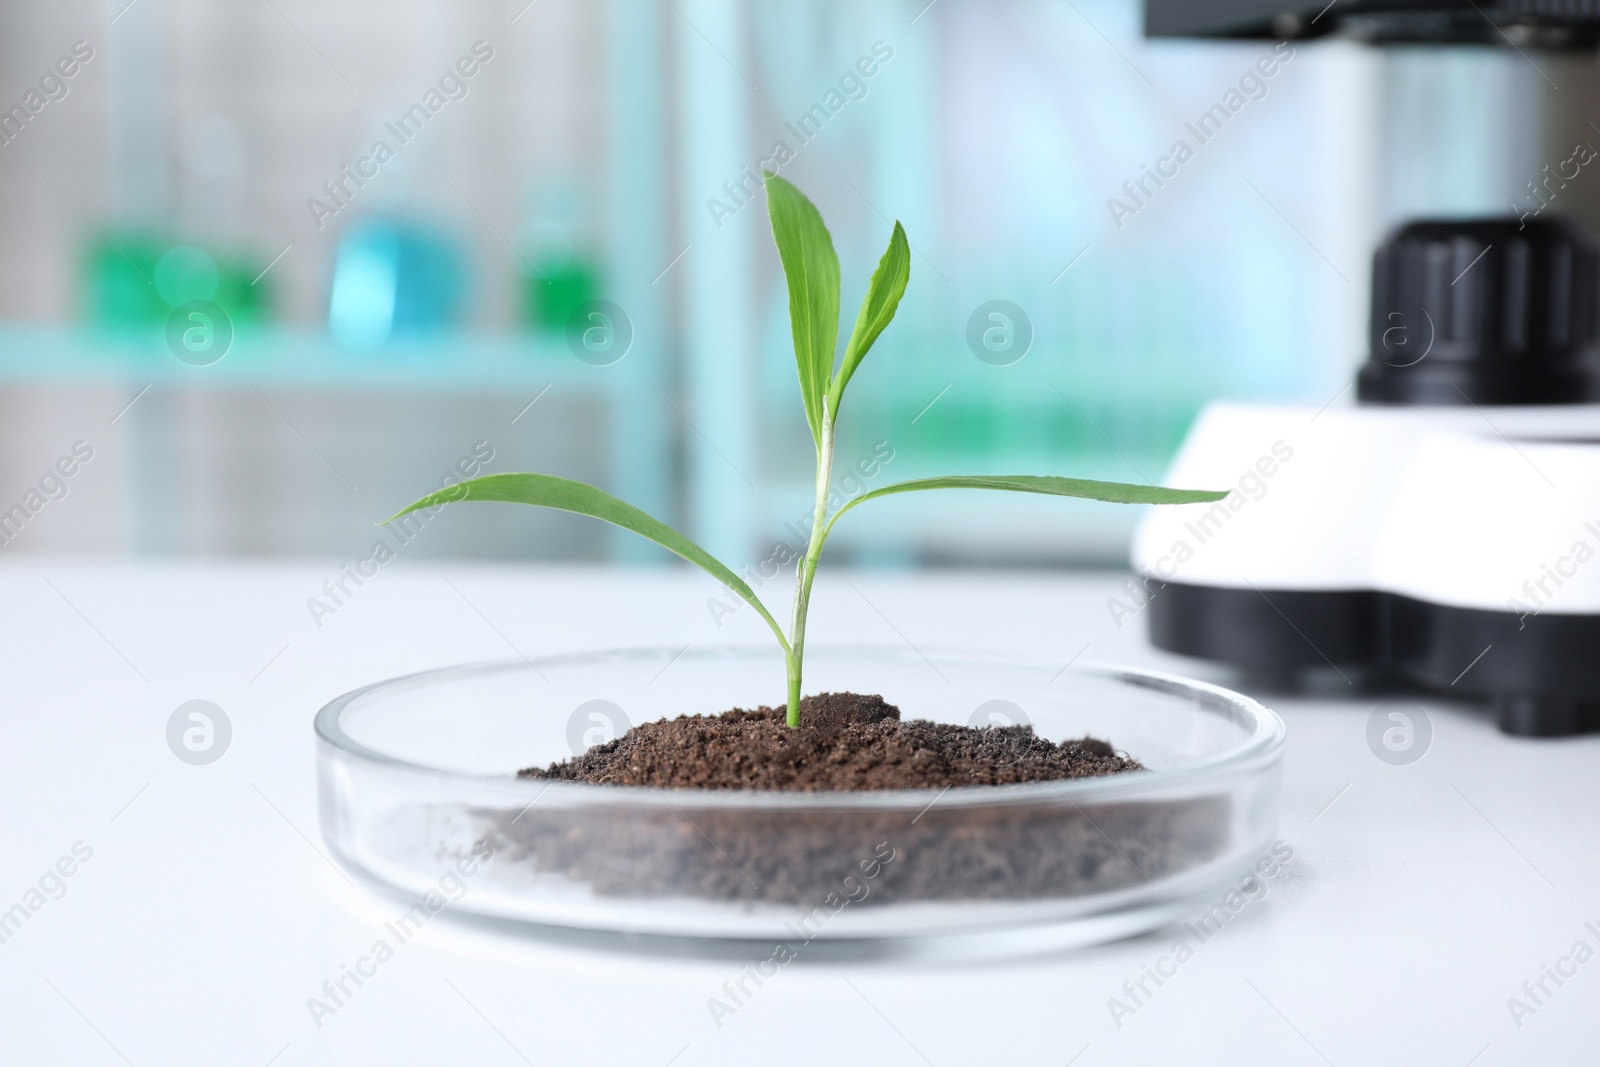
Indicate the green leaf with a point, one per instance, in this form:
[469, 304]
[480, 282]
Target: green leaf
[812, 270]
[562, 494]
[877, 310]
[1114, 492]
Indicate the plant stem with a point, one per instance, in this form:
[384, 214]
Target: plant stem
[806, 569]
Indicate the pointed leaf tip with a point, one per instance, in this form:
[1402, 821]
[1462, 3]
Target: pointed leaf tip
[811, 271]
[878, 308]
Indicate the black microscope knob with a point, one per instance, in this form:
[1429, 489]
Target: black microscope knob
[1484, 311]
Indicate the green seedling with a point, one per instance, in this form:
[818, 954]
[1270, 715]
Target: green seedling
[812, 270]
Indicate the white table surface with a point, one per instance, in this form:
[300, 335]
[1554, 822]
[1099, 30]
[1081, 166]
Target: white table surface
[1419, 899]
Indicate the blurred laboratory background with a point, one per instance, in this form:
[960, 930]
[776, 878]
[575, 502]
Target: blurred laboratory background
[270, 332]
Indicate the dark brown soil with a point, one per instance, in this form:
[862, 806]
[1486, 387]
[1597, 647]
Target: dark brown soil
[846, 742]
[821, 858]
[1039, 850]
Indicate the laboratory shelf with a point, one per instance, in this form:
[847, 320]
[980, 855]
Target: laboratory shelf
[273, 358]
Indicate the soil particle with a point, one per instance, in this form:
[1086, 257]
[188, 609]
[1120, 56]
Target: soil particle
[846, 742]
